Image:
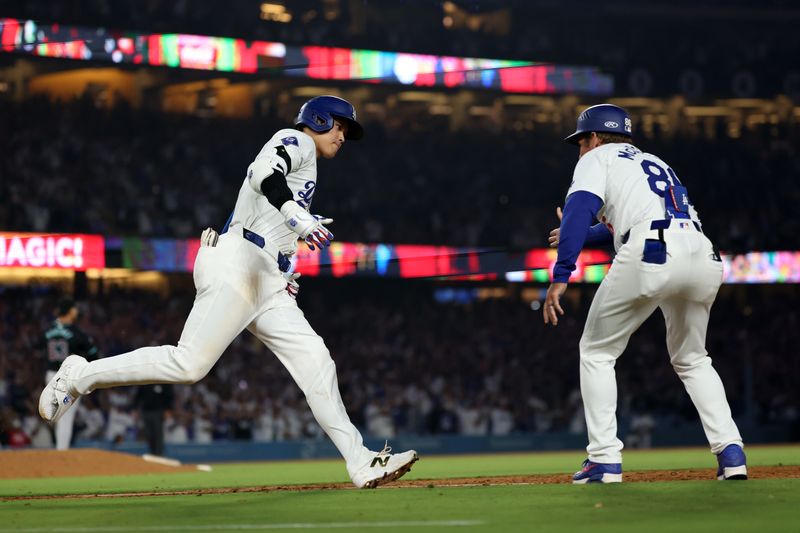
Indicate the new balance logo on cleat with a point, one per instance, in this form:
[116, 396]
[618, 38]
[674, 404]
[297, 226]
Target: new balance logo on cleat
[383, 461]
[55, 399]
[384, 468]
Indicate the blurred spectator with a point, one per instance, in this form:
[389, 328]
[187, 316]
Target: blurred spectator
[176, 430]
[474, 417]
[153, 401]
[379, 419]
[502, 419]
[16, 436]
[173, 175]
[640, 431]
[90, 420]
[264, 429]
[490, 367]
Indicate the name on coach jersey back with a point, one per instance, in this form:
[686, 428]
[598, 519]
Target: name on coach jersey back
[628, 151]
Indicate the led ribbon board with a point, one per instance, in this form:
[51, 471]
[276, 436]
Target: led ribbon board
[271, 59]
[50, 250]
[347, 259]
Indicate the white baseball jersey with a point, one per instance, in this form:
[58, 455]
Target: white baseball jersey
[294, 154]
[239, 286]
[682, 280]
[631, 184]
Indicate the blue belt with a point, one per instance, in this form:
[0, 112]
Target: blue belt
[664, 224]
[661, 225]
[284, 264]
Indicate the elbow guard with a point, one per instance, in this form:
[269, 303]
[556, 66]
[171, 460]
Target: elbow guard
[276, 190]
[269, 181]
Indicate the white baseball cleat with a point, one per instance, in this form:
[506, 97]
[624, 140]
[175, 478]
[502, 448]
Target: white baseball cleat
[57, 398]
[384, 468]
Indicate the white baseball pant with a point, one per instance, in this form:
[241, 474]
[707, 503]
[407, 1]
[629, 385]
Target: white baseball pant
[684, 288]
[64, 425]
[239, 286]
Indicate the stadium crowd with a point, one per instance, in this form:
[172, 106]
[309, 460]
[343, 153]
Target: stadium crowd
[406, 365]
[144, 173]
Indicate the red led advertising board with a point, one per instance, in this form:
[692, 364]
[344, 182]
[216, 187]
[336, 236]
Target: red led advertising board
[52, 250]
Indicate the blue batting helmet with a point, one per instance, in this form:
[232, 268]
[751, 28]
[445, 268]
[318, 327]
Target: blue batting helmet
[605, 118]
[319, 112]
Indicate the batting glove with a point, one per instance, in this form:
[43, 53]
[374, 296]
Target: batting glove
[292, 287]
[309, 227]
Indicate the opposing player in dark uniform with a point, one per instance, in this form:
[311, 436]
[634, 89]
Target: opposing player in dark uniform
[60, 340]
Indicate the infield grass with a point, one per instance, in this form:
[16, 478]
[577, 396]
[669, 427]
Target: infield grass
[763, 505]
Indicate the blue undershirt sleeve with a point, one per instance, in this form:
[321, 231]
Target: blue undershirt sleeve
[599, 234]
[580, 209]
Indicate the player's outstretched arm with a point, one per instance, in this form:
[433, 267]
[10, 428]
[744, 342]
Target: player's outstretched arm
[267, 175]
[579, 210]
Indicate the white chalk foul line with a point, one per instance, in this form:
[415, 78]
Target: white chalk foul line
[248, 527]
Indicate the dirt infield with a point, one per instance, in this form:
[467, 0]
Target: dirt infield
[30, 464]
[20, 464]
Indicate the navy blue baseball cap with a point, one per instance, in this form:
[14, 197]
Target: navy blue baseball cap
[319, 112]
[602, 118]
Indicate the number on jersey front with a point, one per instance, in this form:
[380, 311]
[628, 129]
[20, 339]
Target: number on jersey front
[660, 180]
[57, 349]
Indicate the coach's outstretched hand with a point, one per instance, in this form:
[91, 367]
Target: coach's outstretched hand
[556, 233]
[552, 304]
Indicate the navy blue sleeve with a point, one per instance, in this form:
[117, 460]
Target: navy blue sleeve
[579, 211]
[599, 234]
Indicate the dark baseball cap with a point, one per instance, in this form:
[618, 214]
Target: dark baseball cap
[64, 305]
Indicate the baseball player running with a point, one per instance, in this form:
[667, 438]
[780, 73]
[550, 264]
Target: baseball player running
[243, 281]
[663, 261]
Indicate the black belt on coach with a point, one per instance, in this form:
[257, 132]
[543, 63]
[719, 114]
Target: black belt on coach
[284, 264]
[661, 225]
